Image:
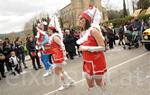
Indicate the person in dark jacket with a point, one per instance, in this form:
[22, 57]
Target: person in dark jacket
[136, 25]
[121, 35]
[76, 37]
[7, 48]
[19, 50]
[2, 60]
[69, 42]
[110, 36]
[31, 43]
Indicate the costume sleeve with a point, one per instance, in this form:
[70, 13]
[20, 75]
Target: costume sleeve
[93, 48]
[46, 39]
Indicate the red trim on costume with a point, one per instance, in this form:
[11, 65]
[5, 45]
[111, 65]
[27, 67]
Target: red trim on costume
[94, 67]
[58, 57]
[57, 52]
[51, 28]
[86, 16]
[93, 62]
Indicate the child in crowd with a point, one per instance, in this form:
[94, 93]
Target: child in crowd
[14, 60]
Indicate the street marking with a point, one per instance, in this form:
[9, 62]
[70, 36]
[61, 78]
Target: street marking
[112, 68]
[132, 59]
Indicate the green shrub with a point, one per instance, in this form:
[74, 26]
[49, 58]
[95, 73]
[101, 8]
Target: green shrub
[144, 17]
[25, 50]
[120, 21]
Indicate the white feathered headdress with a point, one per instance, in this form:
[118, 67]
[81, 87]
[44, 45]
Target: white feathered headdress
[93, 15]
[54, 24]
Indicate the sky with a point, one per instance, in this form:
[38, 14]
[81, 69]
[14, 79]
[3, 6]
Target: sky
[15, 13]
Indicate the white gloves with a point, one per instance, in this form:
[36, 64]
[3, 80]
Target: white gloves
[92, 48]
[96, 49]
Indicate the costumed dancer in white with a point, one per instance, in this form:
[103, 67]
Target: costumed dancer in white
[42, 40]
[58, 51]
[92, 47]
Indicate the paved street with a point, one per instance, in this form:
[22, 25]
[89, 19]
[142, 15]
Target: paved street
[129, 74]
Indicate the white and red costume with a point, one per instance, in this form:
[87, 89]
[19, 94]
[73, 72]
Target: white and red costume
[44, 47]
[56, 50]
[42, 39]
[94, 64]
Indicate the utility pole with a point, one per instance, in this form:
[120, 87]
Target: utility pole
[133, 2]
[124, 9]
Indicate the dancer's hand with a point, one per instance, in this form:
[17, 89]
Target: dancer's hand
[83, 48]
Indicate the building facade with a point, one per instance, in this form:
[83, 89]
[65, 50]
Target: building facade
[70, 13]
[138, 12]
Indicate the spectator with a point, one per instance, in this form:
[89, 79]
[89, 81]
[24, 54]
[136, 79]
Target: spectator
[7, 48]
[136, 25]
[33, 52]
[76, 37]
[2, 60]
[15, 61]
[19, 49]
[69, 42]
[121, 36]
[104, 32]
[143, 27]
[115, 36]
[110, 36]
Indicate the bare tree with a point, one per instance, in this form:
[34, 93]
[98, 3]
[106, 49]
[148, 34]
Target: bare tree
[134, 4]
[143, 4]
[125, 13]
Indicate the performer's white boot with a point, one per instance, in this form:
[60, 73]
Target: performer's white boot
[97, 91]
[91, 91]
[63, 84]
[48, 72]
[66, 81]
[104, 90]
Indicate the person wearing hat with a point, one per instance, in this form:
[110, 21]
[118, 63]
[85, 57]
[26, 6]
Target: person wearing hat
[43, 39]
[58, 52]
[92, 47]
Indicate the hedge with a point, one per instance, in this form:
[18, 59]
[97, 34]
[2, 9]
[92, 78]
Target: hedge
[120, 21]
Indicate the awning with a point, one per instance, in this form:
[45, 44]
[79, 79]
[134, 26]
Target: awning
[148, 11]
[137, 12]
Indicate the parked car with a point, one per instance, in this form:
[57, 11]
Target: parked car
[146, 39]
